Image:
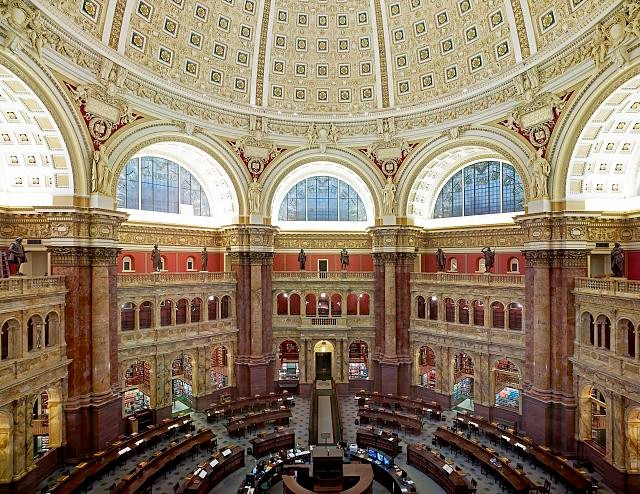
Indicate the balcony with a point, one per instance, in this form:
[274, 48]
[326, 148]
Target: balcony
[323, 275]
[608, 286]
[159, 278]
[468, 332]
[469, 279]
[23, 285]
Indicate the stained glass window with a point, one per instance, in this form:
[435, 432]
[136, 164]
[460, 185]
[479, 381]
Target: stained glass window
[482, 188]
[322, 198]
[157, 184]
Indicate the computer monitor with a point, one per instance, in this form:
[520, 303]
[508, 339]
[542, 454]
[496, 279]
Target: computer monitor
[380, 456]
[371, 453]
[386, 461]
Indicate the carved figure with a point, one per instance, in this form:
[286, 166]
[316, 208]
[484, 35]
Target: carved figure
[489, 257]
[101, 173]
[17, 254]
[205, 259]
[344, 258]
[35, 31]
[302, 259]
[156, 258]
[389, 197]
[334, 134]
[255, 191]
[617, 261]
[541, 170]
[312, 135]
[599, 46]
[441, 259]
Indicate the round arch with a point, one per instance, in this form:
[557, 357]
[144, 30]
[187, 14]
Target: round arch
[280, 176]
[432, 164]
[159, 135]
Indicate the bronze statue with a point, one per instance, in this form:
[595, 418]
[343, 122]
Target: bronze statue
[205, 259]
[17, 254]
[156, 259]
[302, 259]
[489, 257]
[344, 259]
[617, 261]
[441, 259]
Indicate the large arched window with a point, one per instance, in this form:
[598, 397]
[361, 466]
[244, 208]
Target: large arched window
[322, 198]
[152, 183]
[482, 188]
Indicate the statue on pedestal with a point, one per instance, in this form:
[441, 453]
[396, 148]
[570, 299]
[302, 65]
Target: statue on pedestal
[255, 190]
[302, 259]
[441, 259]
[389, 197]
[489, 258]
[344, 259]
[17, 254]
[541, 170]
[617, 261]
[205, 259]
[156, 259]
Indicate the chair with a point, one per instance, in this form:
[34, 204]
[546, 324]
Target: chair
[546, 488]
[595, 485]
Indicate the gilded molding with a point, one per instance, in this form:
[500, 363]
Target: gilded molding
[116, 26]
[260, 73]
[508, 236]
[321, 240]
[523, 39]
[134, 234]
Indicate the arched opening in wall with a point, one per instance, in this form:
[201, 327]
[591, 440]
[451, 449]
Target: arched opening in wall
[497, 315]
[294, 304]
[336, 305]
[427, 372]
[128, 316]
[352, 304]
[212, 307]
[191, 264]
[421, 307]
[127, 264]
[6, 448]
[603, 332]
[481, 265]
[507, 384]
[633, 439]
[478, 313]
[628, 337]
[463, 381]
[219, 367]
[163, 263]
[282, 304]
[453, 265]
[181, 311]
[166, 311]
[5, 338]
[463, 311]
[323, 305]
[51, 329]
[513, 266]
[182, 384]
[137, 387]
[588, 329]
[145, 317]
[310, 305]
[449, 310]
[289, 361]
[363, 304]
[358, 360]
[196, 310]
[225, 307]
[433, 308]
[515, 316]
[598, 407]
[40, 424]
[34, 333]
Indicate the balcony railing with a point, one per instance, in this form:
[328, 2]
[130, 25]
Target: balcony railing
[23, 285]
[322, 275]
[485, 279]
[608, 286]
[160, 278]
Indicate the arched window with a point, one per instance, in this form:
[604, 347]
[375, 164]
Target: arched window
[433, 308]
[294, 304]
[151, 183]
[449, 310]
[137, 387]
[481, 188]
[322, 198]
[190, 264]
[514, 265]
[5, 340]
[427, 367]
[196, 309]
[507, 384]
[212, 308]
[181, 311]
[127, 316]
[420, 307]
[463, 311]
[323, 305]
[145, 318]
[282, 304]
[358, 360]
[336, 305]
[463, 376]
[225, 307]
[34, 333]
[598, 418]
[515, 316]
[352, 304]
[603, 332]
[219, 368]
[363, 304]
[478, 313]
[127, 264]
[497, 315]
[166, 307]
[627, 333]
[51, 326]
[310, 304]
[453, 265]
[40, 424]
[289, 360]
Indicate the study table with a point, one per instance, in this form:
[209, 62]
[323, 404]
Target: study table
[213, 471]
[516, 479]
[102, 461]
[433, 466]
[394, 478]
[276, 441]
[218, 410]
[280, 416]
[363, 473]
[378, 439]
[560, 466]
[417, 406]
[411, 423]
[146, 471]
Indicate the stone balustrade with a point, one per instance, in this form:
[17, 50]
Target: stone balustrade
[164, 278]
[26, 285]
[608, 286]
[323, 275]
[465, 332]
[479, 279]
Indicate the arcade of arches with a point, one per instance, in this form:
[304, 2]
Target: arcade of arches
[322, 212]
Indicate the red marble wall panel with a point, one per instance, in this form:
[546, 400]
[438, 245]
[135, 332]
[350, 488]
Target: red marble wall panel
[468, 263]
[289, 262]
[174, 261]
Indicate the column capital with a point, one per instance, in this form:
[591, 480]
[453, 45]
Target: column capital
[398, 238]
[564, 258]
[381, 258]
[83, 256]
[250, 238]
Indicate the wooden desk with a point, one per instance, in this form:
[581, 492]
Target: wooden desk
[246, 403]
[364, 485]
[432, 465]
[417, 406]
[378, 439]
[215, 469]
[518, 481]
[412, 423]
[280, 416]
[120, 450]
[390, 477]
[276, 441]
[147, 470]
[562, 468]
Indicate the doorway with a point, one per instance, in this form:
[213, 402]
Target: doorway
[323, 267]
[323, 366]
